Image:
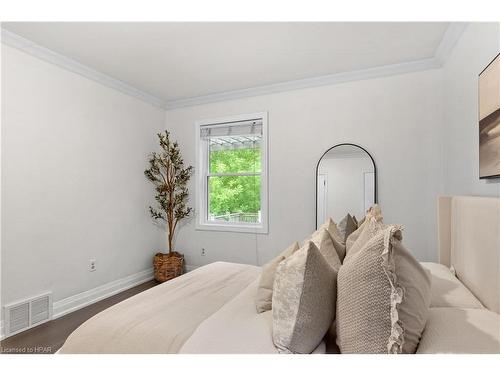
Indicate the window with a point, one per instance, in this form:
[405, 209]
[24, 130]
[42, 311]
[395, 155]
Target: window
[232, 174]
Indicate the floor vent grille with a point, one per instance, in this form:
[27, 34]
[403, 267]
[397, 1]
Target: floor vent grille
[26, 314]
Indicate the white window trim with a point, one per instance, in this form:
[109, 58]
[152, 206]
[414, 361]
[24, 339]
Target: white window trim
[201, 185]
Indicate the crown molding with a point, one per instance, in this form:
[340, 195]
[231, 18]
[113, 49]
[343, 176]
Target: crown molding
[450, 39]
[443, 51]
[13, 40]
[331, 79]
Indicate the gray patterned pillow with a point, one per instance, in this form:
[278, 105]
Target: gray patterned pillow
[383, 296]
[304, 296]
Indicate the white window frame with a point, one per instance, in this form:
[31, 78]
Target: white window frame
[201, 173]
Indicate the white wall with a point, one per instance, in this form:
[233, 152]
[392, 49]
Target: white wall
[73, 155]
[479, 44]
[395, 118]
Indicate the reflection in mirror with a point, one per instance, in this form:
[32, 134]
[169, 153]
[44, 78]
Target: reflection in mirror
[346, 183]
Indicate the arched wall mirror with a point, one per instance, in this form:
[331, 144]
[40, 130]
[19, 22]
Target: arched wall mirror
[346, 182]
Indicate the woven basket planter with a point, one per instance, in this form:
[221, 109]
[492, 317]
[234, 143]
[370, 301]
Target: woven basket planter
[168, 266]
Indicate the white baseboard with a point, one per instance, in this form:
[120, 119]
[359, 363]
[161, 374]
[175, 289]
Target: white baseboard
[80, 300]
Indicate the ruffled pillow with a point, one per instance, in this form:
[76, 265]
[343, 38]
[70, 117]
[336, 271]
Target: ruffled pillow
[383, 295]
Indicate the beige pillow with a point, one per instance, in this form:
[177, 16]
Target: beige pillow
[303, 300]
[447, 290]
[333, 229]
[346, 226]
[324, 242]
[263, 299]
[365, 231]
[355, 220]
[290, 250]
[353, 237]
[338, 243]
[383, 297]
[360, 223]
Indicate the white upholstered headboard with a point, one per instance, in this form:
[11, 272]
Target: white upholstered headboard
[469, 240]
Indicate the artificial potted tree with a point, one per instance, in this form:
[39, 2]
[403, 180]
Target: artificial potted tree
[170, 177]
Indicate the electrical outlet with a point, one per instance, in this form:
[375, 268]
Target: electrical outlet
[92, 265]
[203, 253]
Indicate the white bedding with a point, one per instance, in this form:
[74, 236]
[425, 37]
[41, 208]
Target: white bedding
[460, 330]
[209, 310]
[162, 318]
[447, 290]
[236, 329]
[212, 310]
[457, 321]
[237, 323]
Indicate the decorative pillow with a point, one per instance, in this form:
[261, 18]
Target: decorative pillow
[355, 221]
[303, 300]
[383, 297]
[333, 229]
[373, 216]
[263, 299]
[324, 242]
[360, 223]
[353, 237]
[290, 250]
[338, 243]
[447, 290]
[346, 226]
[374, 212]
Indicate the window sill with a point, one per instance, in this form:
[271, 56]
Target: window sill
[241, 228]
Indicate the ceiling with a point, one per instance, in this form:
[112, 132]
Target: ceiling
[175, 61]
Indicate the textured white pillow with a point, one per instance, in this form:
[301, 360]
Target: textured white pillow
[263, 299]
[304, 296]
[383, 296]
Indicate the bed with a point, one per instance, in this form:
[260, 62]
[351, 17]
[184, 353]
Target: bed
[212, 309]
[208, 310]
[464, 314]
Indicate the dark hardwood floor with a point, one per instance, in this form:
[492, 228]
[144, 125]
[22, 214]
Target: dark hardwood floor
[47, 338]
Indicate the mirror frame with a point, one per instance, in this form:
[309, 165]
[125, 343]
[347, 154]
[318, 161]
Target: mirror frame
[316, 175]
